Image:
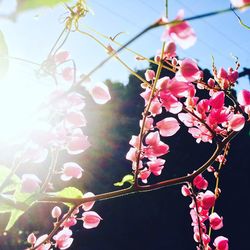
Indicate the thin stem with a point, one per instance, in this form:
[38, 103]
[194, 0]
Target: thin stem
[54, 157]
[216, 189]
[128, 49]
[116, 57]
[55, 229]
[133, 72]
[57, 41]
[98, 66]
[198, 218]
[145, 115]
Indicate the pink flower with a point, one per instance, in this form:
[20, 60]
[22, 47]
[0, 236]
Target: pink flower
[187, 119]
[216, 222]
[217, 100]
[149, 75]
[131, 154]
[237, 122]
[185, 191]
[61, 56]
[182, 33]
[244, 100]
[225, 78]
[188, 71]
[169, 50]
[199, 182]
[99, 92]
[244, 97]
[90, 219]
[168, 126]
[45, 246]
[173, 86]
[70, 170]
[170, 102]
[239, 3]
[75, 118]
[63, 239]
[156, 165]
[148, 124]
[68, 74]
[201, 134]
[221, 243]
[144, 174]
[34, 153]
[77, 142]
[30, 183]
[155, 146]
[207, 200]
[71, 221]
[88, 205]
[168, 53]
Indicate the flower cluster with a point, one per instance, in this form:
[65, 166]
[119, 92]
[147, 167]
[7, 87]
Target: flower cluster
[62, 131]
[206, 119]
[201, 205]
[62, 239]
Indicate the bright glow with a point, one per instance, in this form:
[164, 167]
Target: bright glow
[21, 93]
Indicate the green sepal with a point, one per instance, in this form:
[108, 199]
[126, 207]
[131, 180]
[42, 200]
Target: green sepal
[127, 178]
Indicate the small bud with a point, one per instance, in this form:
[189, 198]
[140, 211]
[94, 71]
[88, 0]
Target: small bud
[211, 82]
[149, 75]
[56, 212]
[174, 62]
[31, 239]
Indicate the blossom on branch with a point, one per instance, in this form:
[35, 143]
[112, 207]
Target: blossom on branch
[181, 32]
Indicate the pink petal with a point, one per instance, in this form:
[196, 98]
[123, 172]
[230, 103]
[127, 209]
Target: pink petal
[68, 74]
[149, 75]
[90, 219]
[75, 118]
[181, 33]
[88, 205]
[216, 222]
[100, 93]
[168, 126]
[237, 122]
[61, 56]
[221, 243]
[30, 183]
[200, 183]
[77, 143]
[188, 71]
[208, 200]
[244, 97]
[71, 169]
[217, 100]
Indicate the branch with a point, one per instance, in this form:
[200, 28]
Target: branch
[145, 188]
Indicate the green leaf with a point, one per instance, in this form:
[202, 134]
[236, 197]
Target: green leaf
[127, 178]
[4, 62]
[14, 182]
[69, 192]
[18, 196]
[5, 201]
[23, 5]
[14, 216]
